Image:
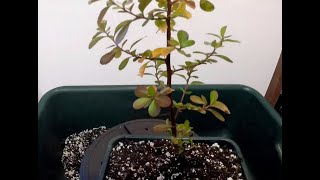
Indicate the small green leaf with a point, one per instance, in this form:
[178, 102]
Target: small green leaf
[151, 91]
[224, 57]
[102, 14]
[95, 40]
[206, 5]
[105, 59]
[97, 34]
[142, 102]
[123, 64]
[214, 35]
[173, 42]
[182, 36]
[181, 75]
[196, 99]
[213, 96]
[197, 83]
[154, 109]
[231, 40]
[143, 4]
[223, 31]
[187, 43]
[174, 140]
[204, 99]
[124, 42]
[188, 92]
[118, 52]
[122, 33]
[217, 114]
[145, 22]
[121, 25]
[136, 42]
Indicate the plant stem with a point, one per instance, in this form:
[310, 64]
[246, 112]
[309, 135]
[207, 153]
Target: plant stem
[169, 71]
[183, 94]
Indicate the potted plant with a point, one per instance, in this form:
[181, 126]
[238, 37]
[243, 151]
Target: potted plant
[178, 155]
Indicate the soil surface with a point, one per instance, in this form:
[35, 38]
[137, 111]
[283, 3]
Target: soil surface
[160, 160]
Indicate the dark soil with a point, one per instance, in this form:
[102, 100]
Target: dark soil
[159, 160]
[75, 147]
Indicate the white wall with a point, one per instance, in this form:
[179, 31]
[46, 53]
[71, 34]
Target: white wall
[66, 27]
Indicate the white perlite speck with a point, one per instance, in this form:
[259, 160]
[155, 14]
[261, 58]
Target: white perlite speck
[160, 177]
[147, 164]
[216, 145]
[229, 178]
[168, 154]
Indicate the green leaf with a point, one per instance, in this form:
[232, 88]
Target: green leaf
[207, 43]
[123, 64]
[181, 75]
[214, 35]
[95, 40]
[182, 36]
[97, 34]
[145, 22]
[196, 99]
[187, 43]
[154, 109]
[121, 25]
[183, 53]
[161, 24]
[151, 91]
[217, 114]
[92, 1]
[136, 42]
[204, 99]
[105, 59]
[102, 14]
[141, 103]
[143, 4]
[174, 140]
[231, 40]
[199, 52]
[173, 42]
[221, 106]
[188, 92]
[122, 33]
[225, 58]
[118, 52]
[124, 42]
[206, 5]
[197, 83]
[213, 96]
[223, 31]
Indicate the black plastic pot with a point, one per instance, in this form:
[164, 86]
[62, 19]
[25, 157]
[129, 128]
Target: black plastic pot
[253, 124]
[210, 140]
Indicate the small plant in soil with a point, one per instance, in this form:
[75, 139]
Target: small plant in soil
[157, 63]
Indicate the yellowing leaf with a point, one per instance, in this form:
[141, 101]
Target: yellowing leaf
[163, 101]
[140, 60]
[159, 128]
[162, 25]
[141, 91]
[166, 91]
[162, 51]
[142, 69]
[221, 106]
[191, 4]
[196, 99]
[181, 11]
[217, 114]
[141, 103]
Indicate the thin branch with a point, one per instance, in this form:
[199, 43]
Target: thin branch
[198, 63]
[184, 92]
[133, 55]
